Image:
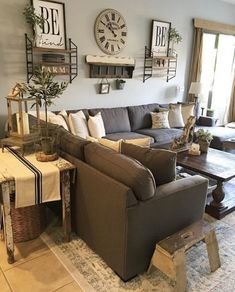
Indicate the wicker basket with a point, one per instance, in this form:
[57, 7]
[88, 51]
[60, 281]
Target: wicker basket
[28, 222]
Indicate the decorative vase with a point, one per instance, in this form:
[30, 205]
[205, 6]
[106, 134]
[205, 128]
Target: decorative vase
[204, 146]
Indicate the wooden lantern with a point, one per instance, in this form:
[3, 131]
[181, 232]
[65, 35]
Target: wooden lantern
[18, 119]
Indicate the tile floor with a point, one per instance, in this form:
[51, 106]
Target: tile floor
[36, 269]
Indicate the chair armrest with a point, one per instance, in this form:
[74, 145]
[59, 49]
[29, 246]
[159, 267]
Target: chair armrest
[207, 121]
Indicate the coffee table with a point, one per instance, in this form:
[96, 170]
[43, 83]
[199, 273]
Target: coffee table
[217, 165]
[229, 144]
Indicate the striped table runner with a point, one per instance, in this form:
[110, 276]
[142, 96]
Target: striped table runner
[35, 182]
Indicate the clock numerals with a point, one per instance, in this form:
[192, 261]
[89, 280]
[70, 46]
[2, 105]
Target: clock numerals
[102, 39]
[112, 48]
[106, 45]
[107, 17]
[113, 16]
[118, 47]
[122, 26]
[102, 23]
[122, 41]
[118, 19]
[123, 33]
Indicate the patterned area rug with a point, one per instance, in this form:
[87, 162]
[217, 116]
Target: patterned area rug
[92, 274]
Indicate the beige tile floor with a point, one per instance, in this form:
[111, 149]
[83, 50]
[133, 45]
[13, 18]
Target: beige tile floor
[36, 269]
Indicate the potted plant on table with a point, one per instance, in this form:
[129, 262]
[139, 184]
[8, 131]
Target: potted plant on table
[204, 138]
[44, 89]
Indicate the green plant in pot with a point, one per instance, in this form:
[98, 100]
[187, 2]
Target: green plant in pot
[174, 38]
[204, 138]
[44, 89]
[33, 19]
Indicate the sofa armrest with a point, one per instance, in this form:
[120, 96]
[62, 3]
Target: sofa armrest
[196, 183]
[207, 121]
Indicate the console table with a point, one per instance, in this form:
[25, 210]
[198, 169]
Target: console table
[7, 185]
[217, 165]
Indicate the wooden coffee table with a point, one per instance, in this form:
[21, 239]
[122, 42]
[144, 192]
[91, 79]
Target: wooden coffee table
[217, 165]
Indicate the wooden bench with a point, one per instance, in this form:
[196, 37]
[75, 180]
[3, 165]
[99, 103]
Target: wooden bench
[169, 255]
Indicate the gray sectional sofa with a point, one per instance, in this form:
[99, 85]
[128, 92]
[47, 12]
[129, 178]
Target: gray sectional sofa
[134, 122]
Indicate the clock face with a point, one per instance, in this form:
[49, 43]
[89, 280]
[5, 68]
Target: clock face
[110, 31]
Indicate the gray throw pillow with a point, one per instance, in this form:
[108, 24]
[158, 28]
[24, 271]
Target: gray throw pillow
[126, 170]
[162, 163]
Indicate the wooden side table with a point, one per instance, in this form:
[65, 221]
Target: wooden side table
[169, 255]
[7, 185]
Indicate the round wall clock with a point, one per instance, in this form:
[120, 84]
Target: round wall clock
[110, 31]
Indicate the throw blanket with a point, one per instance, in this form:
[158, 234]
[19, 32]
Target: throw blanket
[35, 182]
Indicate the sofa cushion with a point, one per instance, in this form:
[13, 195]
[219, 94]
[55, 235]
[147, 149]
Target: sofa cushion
[162, 135]
[139, 115]
[162, 163]
[122, 168]
[115, 119]
[71, 144]
[127, 136]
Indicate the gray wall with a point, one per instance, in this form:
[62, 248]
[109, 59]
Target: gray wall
[80, 17]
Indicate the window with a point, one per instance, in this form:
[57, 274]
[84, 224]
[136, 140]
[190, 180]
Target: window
[218, 54]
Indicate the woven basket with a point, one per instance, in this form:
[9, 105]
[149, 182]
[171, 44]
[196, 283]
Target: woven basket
[28, 222]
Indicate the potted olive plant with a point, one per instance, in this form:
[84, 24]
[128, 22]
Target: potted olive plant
[204, 138]
[44, 89]
[33, 19]
[174, 38]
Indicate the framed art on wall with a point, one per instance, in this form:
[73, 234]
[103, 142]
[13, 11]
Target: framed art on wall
[52, 35]
[160, 37]
[104, 87]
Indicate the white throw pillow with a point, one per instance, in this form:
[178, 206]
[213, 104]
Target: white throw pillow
[78, 124]
[187, 110]
[175, 116]
[160, 119]
[96, 126]
[58, 120]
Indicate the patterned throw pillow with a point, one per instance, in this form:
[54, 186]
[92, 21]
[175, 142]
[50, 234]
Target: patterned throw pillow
[160, 120]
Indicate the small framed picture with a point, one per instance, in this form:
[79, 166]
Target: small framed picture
[52, 33]
[104, 88]
[160, 38]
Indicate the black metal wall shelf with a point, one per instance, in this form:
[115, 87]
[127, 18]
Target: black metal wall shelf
[34, 57]
[166, 63]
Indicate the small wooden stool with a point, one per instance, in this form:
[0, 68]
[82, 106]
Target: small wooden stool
[169, 255]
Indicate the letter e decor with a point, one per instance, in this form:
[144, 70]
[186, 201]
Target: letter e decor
[53, 34]
[160, 38]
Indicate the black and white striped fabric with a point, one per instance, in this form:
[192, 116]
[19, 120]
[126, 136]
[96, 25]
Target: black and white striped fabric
[35, 182]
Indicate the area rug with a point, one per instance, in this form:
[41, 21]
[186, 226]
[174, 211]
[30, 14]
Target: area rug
[92, 273]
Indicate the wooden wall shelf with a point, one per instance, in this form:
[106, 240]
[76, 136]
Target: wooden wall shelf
[110, 66]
